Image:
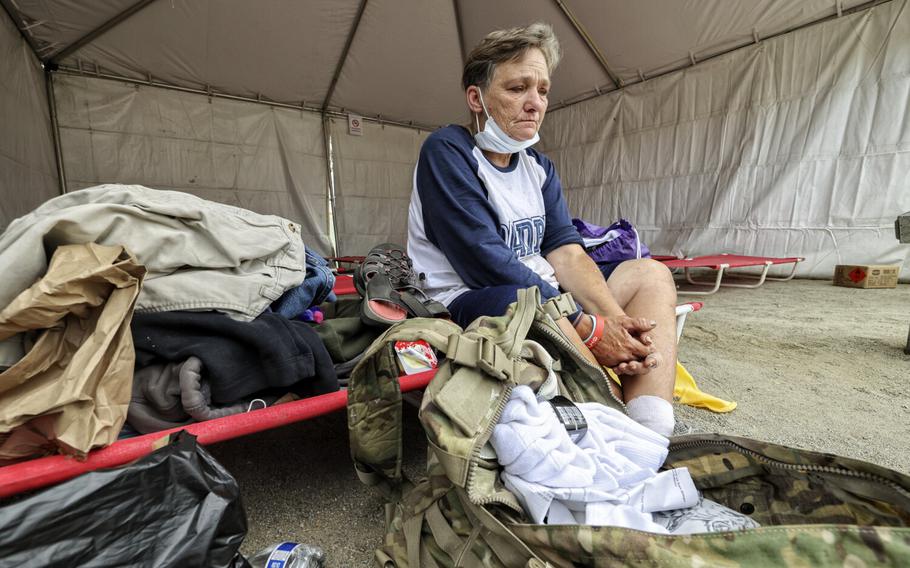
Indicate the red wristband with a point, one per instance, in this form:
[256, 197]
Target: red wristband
[598, 332]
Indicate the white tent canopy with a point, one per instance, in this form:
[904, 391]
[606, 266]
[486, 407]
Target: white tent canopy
[711, 123]
[400, 59]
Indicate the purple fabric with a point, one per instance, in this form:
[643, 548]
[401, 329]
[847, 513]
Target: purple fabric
[622, 244]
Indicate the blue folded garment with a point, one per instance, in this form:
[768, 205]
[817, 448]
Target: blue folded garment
[315, 289]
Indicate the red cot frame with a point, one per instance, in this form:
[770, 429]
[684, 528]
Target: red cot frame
[724, 263]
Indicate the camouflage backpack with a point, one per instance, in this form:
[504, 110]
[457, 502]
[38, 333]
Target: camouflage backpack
[815, 509]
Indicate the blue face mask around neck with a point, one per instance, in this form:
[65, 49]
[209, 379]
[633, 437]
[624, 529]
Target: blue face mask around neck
[493, 139]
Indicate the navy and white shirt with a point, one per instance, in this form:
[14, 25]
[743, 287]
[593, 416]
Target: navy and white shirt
[472, 224]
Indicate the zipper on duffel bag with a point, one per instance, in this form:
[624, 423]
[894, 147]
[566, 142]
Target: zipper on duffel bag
[475, 452]
[789, 466]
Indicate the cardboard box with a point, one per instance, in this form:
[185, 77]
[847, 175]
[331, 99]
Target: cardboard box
[866, 275]
[902, 228]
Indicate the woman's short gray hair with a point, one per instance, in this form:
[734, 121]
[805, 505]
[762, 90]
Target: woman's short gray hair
[506, 45]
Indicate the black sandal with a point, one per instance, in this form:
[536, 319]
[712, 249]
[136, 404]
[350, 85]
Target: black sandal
[390, 288]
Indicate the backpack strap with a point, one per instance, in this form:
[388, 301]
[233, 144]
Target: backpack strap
[522, 315]
[560, 306]
[374, 401]
[506, 545]
[482, 353]
[457, 548]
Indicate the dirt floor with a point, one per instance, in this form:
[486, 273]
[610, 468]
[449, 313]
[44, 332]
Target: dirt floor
[811, 365]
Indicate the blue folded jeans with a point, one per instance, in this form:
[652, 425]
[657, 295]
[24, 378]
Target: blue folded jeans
[316, 288]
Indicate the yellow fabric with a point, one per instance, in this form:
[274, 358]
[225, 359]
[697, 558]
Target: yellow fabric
[685, 391]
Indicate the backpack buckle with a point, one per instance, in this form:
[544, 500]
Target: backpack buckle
[560, 306]
[481, 352]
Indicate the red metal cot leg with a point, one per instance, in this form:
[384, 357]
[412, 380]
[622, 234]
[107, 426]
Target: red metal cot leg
[715, 288]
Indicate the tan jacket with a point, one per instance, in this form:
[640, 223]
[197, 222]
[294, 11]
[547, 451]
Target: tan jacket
[200, 255]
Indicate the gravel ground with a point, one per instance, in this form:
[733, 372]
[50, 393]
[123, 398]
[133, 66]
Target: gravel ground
[811, 365]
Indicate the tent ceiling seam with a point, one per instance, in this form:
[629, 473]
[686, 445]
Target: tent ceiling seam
[98, 32]
[598, 54]
[688, 64]
[344, 54]
[18, 21]
[96, 73]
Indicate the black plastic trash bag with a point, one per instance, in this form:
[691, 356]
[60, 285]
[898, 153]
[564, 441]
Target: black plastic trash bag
[174, 507]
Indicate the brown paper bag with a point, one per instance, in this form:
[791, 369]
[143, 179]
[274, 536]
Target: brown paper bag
[80, 369]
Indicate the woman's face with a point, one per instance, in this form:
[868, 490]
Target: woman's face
[517, 95]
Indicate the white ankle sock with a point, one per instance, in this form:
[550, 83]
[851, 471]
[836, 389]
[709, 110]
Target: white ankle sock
[652, 412]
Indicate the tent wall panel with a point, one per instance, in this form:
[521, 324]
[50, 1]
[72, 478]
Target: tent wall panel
[267, 159]
[28, 171]
[799, 145]
[374, 177]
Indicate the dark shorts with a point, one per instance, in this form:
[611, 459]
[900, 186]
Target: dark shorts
[607, 268]
[495, 300]
[491, 301]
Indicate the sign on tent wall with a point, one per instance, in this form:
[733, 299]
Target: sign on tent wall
[373, 176]
[796, 146]
[28, 173]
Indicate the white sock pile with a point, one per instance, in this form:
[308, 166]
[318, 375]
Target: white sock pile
[653, 412]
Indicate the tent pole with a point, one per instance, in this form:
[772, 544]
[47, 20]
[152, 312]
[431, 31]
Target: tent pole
[20, 24]
[55, 128]
[326, 129]
[598, 54]
[458, 30]
[344, 55]
[330, 177]
[99, 31]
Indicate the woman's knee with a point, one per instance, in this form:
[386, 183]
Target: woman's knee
[644, 274]
[649, 269]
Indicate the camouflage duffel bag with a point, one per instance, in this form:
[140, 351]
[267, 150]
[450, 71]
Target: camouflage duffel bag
[814, 509]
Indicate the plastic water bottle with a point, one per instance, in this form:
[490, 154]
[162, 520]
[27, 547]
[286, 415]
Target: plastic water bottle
[288, 555]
